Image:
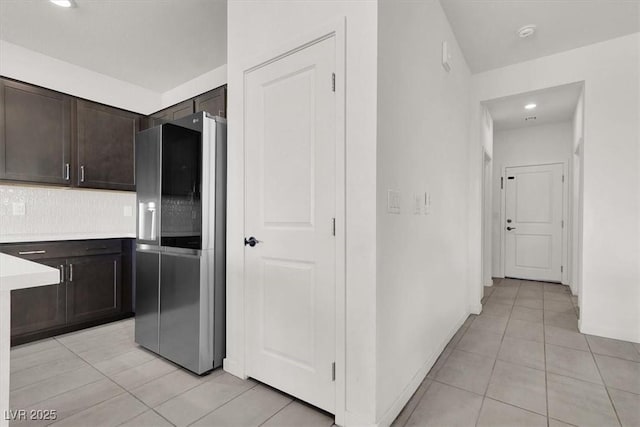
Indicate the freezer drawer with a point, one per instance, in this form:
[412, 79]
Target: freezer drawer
[147, 299]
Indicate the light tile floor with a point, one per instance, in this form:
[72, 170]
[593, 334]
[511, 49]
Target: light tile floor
[100, 377]
[522, 362]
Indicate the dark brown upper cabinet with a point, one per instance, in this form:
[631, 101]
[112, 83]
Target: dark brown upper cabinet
[105, 147]
[213, 102]
[175, 112]
[35, 134]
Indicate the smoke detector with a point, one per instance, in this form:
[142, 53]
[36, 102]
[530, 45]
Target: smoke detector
[527, 31]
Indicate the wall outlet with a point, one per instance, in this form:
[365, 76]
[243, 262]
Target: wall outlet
[127, 210]
[19, 209]
[393, 201]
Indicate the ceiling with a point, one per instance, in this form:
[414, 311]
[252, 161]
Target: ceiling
[554, 104]
[157, 44]
[486, 29]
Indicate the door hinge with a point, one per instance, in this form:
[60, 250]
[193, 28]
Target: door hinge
[502, 182]
[562, 178]
[561, 269]
[333, 371]
[562, 223]
[333, 226]
[333, 82]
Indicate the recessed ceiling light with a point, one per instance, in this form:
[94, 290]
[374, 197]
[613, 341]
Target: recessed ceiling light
[63, 3]
[530, 106]
[526, 31]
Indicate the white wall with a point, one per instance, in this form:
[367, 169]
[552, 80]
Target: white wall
[532, 145]
[53, 213]
[258, 28]
[32, 67]
[207, 81]
[488, 194]
[423, 130]
[576, 210]
[22, 64]
[611, 166]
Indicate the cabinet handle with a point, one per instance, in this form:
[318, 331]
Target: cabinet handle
[31, 252]
[71, 272]
[82, 173]
[67, 171]
[98, 248]
[61, 267]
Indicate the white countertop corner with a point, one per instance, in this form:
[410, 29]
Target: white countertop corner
[17, 273]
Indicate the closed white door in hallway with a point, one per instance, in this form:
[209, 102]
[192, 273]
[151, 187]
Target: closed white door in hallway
[290, 205]
[533, 222]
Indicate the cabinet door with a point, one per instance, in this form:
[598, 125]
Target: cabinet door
[105, 147]
[42, 307]
[175, 112]
[35, 137]
[94, 287]
[213, 102]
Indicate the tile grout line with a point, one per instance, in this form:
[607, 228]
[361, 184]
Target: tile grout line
[604, 384]
[276, 413]
[431, 381]
[495, 360]
[224, 404]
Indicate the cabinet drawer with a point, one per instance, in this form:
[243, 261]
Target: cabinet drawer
[35, 251]
[46, 250]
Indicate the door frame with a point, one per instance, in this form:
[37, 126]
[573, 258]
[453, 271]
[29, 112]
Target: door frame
[235, 249]
[565, 216]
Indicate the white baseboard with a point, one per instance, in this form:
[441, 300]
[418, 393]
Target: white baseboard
[475, 309]
[625, 334]
[392, 413]
[233, 367]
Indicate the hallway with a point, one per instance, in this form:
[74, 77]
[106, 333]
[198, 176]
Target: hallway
[523, 362]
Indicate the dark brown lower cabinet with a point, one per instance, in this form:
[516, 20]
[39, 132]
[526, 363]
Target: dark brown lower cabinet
[96, 286]
[40, 308]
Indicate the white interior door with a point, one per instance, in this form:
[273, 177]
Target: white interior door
[290, 181]
[533, 222]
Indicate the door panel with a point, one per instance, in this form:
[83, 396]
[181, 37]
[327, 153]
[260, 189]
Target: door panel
[290, 204]
[147, 146]
[534, 209]
[180, 309]
[93, 287]
[35, 137]
[106, 147]
[41, 307]
[147, 299]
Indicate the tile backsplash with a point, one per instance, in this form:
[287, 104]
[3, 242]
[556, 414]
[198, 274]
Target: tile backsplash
[31, 213]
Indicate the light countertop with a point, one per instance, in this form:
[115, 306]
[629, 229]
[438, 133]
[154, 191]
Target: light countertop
[17, 273]
[17, 238]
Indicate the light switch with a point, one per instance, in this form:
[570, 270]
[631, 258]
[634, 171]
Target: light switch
[19, 209]
[127, 211]
[393, 201]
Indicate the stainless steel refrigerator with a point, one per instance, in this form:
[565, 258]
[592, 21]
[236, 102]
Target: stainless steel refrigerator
[180, 253]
